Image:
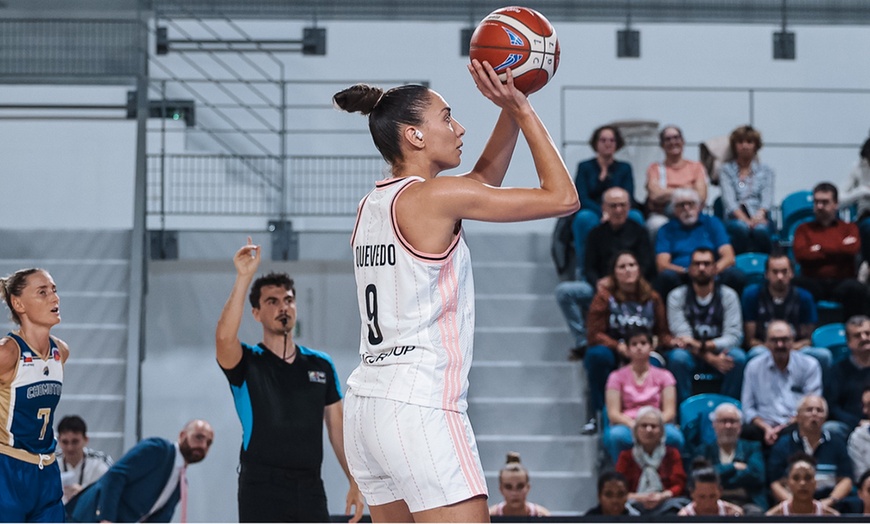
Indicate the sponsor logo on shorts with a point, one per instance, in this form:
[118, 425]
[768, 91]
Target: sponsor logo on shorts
[396, 352]
[317, 376]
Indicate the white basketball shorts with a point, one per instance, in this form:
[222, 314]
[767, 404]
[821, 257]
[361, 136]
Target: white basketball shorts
[398, 451]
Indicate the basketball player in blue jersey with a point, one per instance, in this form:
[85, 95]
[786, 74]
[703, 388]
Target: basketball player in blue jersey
[31, 379]
[283, 393]
[414, 455]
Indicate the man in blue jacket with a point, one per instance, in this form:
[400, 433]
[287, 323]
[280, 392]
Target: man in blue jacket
[147, 483]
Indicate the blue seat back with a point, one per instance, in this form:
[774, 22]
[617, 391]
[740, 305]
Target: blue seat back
[833, 337]
[695, 418]
[795, 207]
[752, 265]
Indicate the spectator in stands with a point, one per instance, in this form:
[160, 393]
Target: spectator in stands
[514, 485]
[612, 496]
[616, 234]
[705, 321]
[691, 229]
[801, 483]
[859, 441]
[655, 474]
[851, 375]
[775, 383]
[777, 298]
[706, 494]
[747, 193]
[80, 466]
[826, 248]
[594, 177]
[857, 191]
[662, 178]
[738, 462]
[833, 467]
[634, 386]
[623, 301]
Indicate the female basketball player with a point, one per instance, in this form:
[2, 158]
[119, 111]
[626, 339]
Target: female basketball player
[31, 377]
[410, 445]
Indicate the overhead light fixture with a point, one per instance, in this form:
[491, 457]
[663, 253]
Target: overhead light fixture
[628, 39]
[784, 41]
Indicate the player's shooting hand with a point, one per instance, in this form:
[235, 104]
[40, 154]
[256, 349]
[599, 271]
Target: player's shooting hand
[355, 500]
[247, 258]
[504, 95]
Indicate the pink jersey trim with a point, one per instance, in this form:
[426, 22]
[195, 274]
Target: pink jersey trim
[463, 452]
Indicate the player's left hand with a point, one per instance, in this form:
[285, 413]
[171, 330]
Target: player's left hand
[355, 500]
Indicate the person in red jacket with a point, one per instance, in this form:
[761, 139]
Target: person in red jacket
[655, 474]
[826, 249]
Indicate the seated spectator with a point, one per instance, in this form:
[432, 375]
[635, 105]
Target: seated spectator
[514, 485]
[594, 177]
[705, 321]
[859, 440]
[801, 483]
[681, 235]
[634, 386]
[80, 466]
[851, 375]
[833, 467]
[612, 496]
[826, 249]
[739, 463]
[706, 494]
[857, 191]
[616, 234]
[662, 178]
[747, 193]
[775, 383]
[860, 502]
[655, 474]
[778, 298]
[624, 300]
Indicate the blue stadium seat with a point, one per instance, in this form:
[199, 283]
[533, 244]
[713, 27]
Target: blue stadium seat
[752, 265]
[830, 312]
[695, 418]
[796, 207]
[833, 337]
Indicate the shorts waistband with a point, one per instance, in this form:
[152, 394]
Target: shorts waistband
[41, 459]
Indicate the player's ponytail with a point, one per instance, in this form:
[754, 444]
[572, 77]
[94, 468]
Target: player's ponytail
[13, 285]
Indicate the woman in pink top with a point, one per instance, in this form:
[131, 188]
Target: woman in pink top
[663, 177]
[635, 385]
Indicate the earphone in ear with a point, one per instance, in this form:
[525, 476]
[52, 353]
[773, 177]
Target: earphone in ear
[418, 134]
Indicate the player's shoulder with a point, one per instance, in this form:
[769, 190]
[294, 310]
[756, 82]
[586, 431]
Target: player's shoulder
[62, 346]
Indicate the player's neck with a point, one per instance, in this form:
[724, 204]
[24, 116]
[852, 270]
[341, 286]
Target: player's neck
[36, 337]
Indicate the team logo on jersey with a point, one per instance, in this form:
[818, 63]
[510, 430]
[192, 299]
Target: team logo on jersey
[27, 358]
[56, 354]
[317, 376]
[45, 371]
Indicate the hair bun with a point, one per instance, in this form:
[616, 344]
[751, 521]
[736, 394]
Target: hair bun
[513, 457]
[359, 98]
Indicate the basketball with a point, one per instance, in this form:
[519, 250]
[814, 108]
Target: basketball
[521, 39]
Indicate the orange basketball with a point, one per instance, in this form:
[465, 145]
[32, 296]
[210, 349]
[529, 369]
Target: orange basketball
[521, 39]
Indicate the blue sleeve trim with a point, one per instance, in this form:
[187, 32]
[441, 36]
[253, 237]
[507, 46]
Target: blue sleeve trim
[242, 401]
[320, 354]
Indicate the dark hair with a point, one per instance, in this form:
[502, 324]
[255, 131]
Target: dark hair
[609, 476]
[13, 285]
[638, 331]
[387, 111]
[800, 456]
[662, 133]
[272, 279]
[73, 424]
[865, 150]
[827, 187]
[778, 253]
[702, 249]
[703, 472]
[862, 479]
[513, 463]
[593, 140]
[744, 133]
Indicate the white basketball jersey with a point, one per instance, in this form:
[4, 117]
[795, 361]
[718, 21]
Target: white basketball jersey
[417, 310]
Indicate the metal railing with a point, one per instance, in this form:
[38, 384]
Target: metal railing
[209, 185]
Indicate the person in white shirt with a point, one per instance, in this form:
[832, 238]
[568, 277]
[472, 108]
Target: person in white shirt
[80, 466]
